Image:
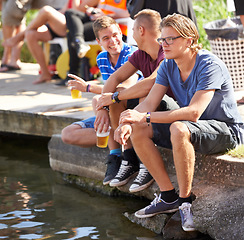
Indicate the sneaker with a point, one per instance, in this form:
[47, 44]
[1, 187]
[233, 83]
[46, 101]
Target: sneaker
[142, 181]
[113, 164]
[81, 48]
[157, 206]
[125, 173]
[186, 217]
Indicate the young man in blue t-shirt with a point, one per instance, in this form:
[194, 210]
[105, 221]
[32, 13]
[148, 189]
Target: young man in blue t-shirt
[207, 120]
[109, 36]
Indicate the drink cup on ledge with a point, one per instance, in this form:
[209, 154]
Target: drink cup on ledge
[102, 139]
[75, 93]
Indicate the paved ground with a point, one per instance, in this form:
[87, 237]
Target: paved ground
[18, 94]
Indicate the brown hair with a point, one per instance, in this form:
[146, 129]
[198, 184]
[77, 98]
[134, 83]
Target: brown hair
[149, 18]
[103, 23]
[185, 27]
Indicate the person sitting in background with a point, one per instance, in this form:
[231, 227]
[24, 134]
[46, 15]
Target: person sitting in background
[109, 36]
[80, 29]
[207, 121]
[48, 24]
[240, 12]
[13, 22]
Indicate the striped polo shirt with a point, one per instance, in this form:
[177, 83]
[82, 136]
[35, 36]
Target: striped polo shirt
[105, 65]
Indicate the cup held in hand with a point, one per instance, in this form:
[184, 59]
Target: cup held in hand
[102, 139]
[75, 93]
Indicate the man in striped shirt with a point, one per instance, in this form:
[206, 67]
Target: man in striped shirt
[109, 36]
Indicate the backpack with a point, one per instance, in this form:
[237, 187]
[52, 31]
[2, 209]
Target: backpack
[134, 6]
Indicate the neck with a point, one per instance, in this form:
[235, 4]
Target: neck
[186, 63]
[114, 59]
[152, 49]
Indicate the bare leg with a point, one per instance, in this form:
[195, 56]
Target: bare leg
[47, 14]
[184, 157]
[32, 38]
[76, 135]
[15, 54]
[8, 32]
[150, 155]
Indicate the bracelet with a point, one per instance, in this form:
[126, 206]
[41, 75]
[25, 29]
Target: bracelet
[106, 108]
[148, 118]
[88, 87]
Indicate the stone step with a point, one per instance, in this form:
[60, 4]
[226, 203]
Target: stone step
[218, 186]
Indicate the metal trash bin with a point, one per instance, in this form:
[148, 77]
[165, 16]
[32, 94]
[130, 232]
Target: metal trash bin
[228, 44]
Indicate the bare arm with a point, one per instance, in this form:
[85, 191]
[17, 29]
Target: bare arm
[91, 3]
[81, 85]
[192, 112]
[141, 89]
[119, 76]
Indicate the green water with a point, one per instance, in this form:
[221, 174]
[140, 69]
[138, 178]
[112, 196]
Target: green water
[35, 202]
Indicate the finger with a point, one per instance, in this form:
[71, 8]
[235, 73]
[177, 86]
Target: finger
[74, 76]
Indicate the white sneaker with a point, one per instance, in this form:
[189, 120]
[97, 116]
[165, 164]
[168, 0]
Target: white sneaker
[186, 217]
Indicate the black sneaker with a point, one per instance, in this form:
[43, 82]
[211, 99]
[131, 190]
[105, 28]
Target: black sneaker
[113, 164]
[126, 171]
[142, 181]
[81, 47]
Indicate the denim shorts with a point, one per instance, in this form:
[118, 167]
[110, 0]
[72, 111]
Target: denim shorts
[87, 123]
[207, 136]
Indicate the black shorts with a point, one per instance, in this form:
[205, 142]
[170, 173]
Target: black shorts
[239, 5]
[53, 34]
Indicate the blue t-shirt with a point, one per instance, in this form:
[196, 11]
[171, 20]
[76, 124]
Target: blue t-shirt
[208, 73]
[105, 65]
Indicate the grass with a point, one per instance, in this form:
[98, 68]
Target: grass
[238, 152]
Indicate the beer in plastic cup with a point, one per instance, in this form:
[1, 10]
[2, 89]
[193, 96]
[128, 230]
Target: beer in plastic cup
[75, 93]
[102, 139]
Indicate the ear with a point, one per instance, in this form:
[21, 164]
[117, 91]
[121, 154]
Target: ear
[141, 30]
[98, 41]
[189, 41]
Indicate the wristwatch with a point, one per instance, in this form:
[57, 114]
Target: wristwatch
[148, 118]
[115, 97]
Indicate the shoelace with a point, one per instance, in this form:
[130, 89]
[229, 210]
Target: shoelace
[156, 200]
[122, 170]
[142, 174]
[186, 211]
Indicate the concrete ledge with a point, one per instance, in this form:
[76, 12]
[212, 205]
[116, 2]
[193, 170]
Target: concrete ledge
[31, 123]
[218, 186]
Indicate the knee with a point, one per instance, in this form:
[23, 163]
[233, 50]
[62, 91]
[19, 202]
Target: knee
[30, 35]
[46, 10]
[139, 132]
[66, 135]
[179, 132]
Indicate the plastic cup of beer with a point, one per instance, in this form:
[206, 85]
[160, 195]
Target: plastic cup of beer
[75, 93]
[102, 139]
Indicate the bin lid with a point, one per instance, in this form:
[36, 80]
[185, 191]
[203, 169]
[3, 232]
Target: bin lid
[226, 28]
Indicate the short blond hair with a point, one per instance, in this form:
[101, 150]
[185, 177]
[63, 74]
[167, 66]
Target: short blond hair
[151, 19]
[185, 27]
[103, 23]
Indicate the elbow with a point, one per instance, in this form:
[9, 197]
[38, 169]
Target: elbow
[194, 116]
